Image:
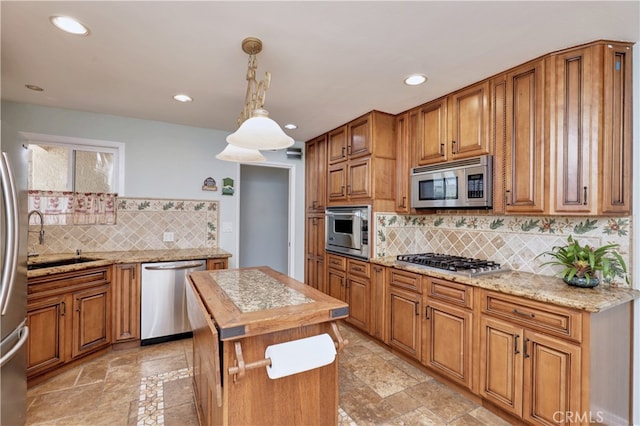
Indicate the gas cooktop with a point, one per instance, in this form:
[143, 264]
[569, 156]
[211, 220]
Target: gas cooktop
[458, 264]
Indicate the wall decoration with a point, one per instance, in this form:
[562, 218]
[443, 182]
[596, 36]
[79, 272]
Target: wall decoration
[209, 184]
[227, 186]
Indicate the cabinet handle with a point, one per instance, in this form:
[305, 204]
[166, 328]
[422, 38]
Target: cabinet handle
[585, 195]
[342, 190]
[523, 314]
[524, 347]
[515, 344]
[426, 312]
[442, 149]
[343, 151]
[404, 202]
[454, 146]
[348, 149]
[64, 309]
[348, 189]
[79, 305]
[416, 306]
[507, 196]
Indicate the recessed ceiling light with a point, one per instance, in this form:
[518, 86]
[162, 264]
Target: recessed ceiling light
[290, 126]
[69, 25]
[415, 79]
[34, 87]
[182, 98]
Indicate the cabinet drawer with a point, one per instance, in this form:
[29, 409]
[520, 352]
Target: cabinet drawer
[337, 262]
[67, 281]
[450, 292]
[358, 267]
[404, 279]
[556, 320]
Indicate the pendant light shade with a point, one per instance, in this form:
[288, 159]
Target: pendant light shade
[260, 132]
[240, 155]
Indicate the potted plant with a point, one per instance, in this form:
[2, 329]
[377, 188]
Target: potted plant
[582, 263]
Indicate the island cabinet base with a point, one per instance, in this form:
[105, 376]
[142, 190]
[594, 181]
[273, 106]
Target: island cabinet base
[308, 398]
[230, 377]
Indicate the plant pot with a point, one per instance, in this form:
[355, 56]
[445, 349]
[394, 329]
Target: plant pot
[582, 282]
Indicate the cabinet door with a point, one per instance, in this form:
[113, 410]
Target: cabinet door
[469, 114]
[91, 327]
[359, 299]
[447, 341]
[406, 129]
[616, 133]
[316, 180]
[404, 326]
[574, 147]
[378, 303]
[337, 182]
[337, 145]
[314, 272]
[359, 134]
[126, 302]
[359, 178]
[552, 382]
[525, 150]
[431, 146]
[46, 319]
[336, 284]
[501, 364]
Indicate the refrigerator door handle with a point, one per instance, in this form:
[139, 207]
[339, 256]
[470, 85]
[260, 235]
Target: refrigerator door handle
[23, 334]
[10, 199]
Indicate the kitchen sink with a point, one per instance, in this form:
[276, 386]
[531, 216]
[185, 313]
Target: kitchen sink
[61, 262]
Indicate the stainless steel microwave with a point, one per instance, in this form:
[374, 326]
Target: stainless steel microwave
[348, 230]
[453, 184]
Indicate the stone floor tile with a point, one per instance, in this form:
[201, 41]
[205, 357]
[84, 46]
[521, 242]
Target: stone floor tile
[58, 404]
[181, 415]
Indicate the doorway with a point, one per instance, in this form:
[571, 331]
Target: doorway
[264, 223]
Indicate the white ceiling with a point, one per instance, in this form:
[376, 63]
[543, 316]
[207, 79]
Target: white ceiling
[330, 61]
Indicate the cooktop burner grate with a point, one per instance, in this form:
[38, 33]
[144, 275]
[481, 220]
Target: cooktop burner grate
[450, 263]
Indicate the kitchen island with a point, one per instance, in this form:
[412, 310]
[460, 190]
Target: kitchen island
[248, 326]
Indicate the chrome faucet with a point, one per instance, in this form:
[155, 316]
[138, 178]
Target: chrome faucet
[37, 212]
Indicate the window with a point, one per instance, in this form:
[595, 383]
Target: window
[77, 165]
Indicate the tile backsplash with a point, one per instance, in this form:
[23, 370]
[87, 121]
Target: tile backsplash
[512, 241]
[140, 225]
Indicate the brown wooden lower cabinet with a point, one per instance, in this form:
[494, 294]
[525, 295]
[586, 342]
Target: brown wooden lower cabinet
[218, 263]
[126, 302]
[69, 316]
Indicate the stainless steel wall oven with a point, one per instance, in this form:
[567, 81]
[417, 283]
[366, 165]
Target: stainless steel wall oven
[348, 230]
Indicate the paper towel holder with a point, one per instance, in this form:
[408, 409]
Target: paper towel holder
[238, 371]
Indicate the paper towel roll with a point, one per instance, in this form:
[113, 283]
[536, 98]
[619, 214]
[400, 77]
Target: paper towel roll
[300, 355]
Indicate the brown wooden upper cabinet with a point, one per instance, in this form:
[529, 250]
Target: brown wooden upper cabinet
[361, 160]
[566, 144]
[316, 169]
[590, 129]
[455, 126]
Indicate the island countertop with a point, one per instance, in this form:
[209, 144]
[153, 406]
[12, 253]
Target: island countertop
[253, 301]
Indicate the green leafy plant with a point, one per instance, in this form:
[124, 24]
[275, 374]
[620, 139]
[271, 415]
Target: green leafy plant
[584, 261]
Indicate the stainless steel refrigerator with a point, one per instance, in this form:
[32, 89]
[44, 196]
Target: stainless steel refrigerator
[13, 290]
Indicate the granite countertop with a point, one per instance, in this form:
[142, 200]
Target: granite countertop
[531, 286]
[110, 257]
[254, 301]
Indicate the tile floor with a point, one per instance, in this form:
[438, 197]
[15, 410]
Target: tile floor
[151, 385]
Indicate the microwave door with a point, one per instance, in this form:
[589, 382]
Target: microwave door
[345, 230]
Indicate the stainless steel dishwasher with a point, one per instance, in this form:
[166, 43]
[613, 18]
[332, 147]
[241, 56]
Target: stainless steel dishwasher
[164, 302]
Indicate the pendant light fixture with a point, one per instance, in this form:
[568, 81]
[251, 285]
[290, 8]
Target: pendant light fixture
[257, 131]
[241, 155]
